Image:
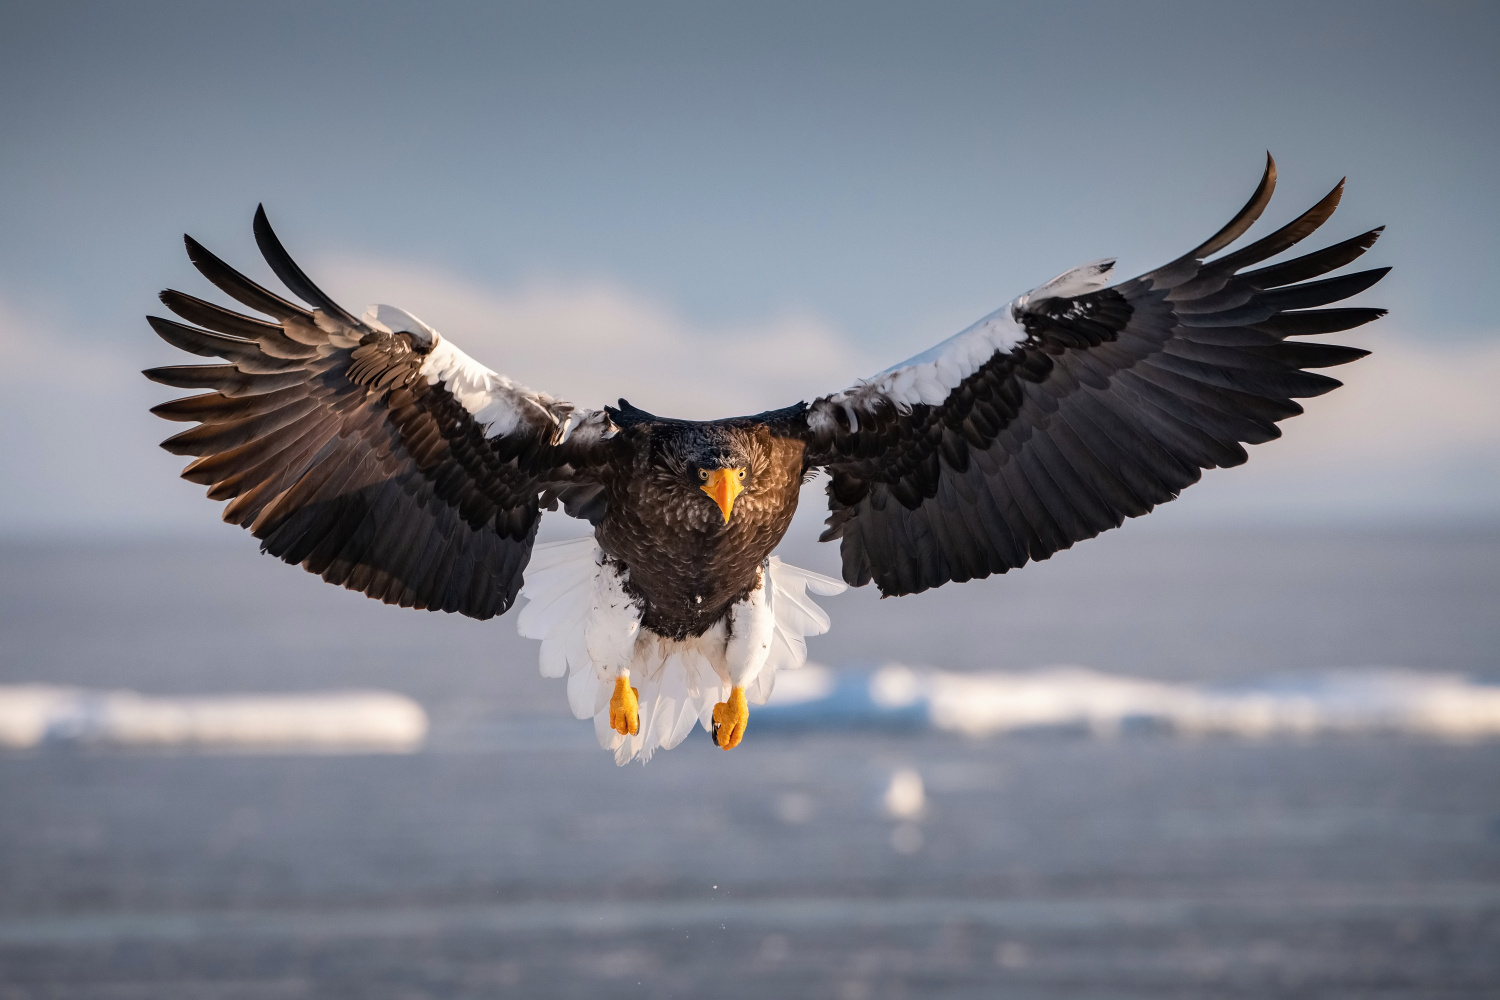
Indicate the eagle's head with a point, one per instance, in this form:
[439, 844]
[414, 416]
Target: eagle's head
[708, 462]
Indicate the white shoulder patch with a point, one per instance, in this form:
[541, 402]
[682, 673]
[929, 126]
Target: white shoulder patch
[498, 404]
[389, 319]
[679, 682]
[929, 377]
[1080, 280]
[932, 375]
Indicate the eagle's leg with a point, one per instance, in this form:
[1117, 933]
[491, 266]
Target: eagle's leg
[610, 636]
[730, 719]
[625, 706]
[752, 625]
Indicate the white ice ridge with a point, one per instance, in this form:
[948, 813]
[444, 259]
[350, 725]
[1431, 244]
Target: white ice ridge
[1450, 706]
[332, 721]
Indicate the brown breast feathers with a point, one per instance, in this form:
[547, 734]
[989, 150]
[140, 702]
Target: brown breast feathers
[686, 565]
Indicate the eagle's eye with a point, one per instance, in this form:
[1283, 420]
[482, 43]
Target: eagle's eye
[740, 473]
[703, 474]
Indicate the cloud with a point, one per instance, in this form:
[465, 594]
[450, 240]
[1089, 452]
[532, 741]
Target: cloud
[78, 445]
[1415, 431]
[1414, 434]
[593, 342]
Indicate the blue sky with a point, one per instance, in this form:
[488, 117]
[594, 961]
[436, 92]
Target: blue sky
[854, 180]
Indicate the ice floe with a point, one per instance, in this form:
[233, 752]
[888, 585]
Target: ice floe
[1444, 705]
[331, 721]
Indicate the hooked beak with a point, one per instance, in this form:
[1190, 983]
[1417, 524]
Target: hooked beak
[723, 485]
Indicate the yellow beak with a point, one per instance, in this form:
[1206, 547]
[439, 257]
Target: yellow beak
[724, 485]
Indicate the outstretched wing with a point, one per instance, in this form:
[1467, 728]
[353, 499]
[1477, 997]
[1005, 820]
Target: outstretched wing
[371, 451]
[1080, 405]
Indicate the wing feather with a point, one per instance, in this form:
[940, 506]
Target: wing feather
[1243, 219]
[385, 461]
[291, 275]
[1081, 405]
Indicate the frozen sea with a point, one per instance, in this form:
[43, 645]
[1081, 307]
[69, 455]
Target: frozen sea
[509, 856]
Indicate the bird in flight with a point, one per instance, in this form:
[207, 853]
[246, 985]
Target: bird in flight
[372, 451]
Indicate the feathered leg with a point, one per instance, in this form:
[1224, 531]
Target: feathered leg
[613, 627]
[752, 626]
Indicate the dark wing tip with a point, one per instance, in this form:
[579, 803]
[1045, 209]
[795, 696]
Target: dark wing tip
[237, 286]
[261, 226]
[1287, 236]
[1245, 217]
[290, 274]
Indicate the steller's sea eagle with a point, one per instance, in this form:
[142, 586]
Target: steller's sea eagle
[372, 451]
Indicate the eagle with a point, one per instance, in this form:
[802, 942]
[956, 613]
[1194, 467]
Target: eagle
[372, 451]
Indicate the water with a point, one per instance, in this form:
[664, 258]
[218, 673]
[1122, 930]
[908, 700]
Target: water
[510, 856]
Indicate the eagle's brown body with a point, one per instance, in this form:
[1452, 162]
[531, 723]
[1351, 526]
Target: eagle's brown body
[685, 564]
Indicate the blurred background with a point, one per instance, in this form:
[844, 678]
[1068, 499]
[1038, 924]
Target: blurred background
[1246, 746]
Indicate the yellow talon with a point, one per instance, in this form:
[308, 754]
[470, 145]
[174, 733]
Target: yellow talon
[625, 707]
[730, 719]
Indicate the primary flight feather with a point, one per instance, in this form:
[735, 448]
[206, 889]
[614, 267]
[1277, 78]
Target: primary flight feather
[372, 451]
